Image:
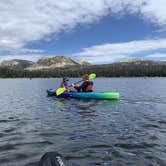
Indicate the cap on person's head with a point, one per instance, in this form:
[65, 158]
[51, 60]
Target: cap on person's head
[65, 79]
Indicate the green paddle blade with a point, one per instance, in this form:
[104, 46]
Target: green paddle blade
[60, 91]
[91, 76]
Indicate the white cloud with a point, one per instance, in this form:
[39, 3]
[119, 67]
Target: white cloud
[26, 21]
[155, 11]
[157, 55]
[31, 57]
[119, 51]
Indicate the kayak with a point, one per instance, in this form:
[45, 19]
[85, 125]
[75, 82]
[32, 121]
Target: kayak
[86, 95]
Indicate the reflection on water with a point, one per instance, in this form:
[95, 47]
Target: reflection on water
[85, 108]
[131, 131]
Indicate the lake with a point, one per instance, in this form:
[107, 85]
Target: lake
[131, 131]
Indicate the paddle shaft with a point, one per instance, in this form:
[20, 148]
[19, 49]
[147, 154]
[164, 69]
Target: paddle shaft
[61, 90]
[75, 83]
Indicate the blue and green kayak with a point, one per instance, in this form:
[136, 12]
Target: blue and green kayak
[86, 95]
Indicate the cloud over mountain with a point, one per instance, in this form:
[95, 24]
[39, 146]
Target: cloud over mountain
[118, 51]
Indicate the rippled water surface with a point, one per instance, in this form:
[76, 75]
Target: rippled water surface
[131, 131]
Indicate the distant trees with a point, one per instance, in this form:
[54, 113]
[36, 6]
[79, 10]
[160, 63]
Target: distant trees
[111, 70]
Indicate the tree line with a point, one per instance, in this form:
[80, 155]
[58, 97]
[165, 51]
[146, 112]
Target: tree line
[111, 70]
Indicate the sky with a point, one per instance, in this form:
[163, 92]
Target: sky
[99, 31]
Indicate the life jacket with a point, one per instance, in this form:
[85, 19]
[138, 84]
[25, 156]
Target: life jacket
[64, 85]
[89, 88]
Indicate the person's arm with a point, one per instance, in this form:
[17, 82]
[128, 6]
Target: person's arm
[66, 86]
[83, 85]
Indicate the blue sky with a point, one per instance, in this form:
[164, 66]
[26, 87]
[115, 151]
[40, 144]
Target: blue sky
[101, 31]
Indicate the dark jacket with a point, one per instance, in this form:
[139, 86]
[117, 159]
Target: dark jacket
[86, 86]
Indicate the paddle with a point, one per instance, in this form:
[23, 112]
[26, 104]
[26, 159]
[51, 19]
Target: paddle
[91, 76]
[52, 159]
[61, 90]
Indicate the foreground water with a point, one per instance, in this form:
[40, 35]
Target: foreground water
[88, 133]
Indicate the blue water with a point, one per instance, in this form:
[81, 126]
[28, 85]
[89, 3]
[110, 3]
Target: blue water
[131, 131]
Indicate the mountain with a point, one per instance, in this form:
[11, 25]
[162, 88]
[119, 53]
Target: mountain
[132, 68]
[16, 64]
[141, 62]
[51, 62]
[62, 66]
[84, 62]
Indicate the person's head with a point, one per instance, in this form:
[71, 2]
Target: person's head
[85, 77]
[65, 79]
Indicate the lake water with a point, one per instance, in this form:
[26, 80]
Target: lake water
[87, 133]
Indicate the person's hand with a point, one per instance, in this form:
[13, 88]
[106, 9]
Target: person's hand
[72, 85]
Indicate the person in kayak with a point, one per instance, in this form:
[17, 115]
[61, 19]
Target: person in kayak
[64, 84]
[86, 86]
